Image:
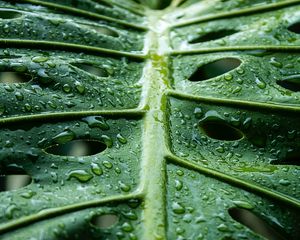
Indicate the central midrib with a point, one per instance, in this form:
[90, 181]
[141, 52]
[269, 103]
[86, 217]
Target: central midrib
[154, 138]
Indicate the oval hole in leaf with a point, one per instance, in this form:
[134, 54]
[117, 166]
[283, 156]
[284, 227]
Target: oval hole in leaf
[81, 147]
[215, 69]
[13, 178]
[100, 72]
[291, 83]
[14, 77]
[213, 36]
[104, 221]
[8, 14]
[256, 224]
[220, 130]
[295, 28]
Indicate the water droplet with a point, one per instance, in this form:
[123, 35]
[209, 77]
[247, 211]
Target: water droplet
[66, 88]
[64, 137]
[81, 175]
[39, 59]
[107, 140]
[97, 121]
[178, 208]
[96, 169]
[28, 194]
[228, 76]
[178, 185]
[284, 182]
[275, 63]
[222, 227]
[107, 164]
[261, 84]
[121, 139]
[124, 187]
[198, 112]
[79, 87]
[126, 227]
[19, 96]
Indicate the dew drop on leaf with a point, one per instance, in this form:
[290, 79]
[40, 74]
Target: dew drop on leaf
[64, 137]
[178, 208]
[80, 175]
[96, 169]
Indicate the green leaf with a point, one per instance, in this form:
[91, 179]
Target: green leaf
[149, 119]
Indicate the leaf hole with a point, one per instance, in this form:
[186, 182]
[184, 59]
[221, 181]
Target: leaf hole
[12, 178]
[220, 130]
[295, 28]
[291, 83]
[256, 224]
[104, 221]
[14, 77]
[215, 69]
[213, 36]
[100, 72]
[81, 147]
[9, 14]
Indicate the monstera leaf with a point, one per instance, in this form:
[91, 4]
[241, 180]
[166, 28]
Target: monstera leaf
[150, 119]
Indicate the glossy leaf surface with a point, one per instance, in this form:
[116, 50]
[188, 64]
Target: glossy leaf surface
[149, 119]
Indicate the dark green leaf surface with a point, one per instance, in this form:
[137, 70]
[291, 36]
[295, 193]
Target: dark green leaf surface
[171, 121]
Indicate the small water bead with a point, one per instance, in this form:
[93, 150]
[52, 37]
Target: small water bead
[223, 228]
[130, 215]
[54, 177]
[64, 137]
[284, 182]
[29, 194]
[247, 122]
[240, 81]
[96, 169]
[178, 208]
[228, 76]
[66, 88]
[107, 140]
[220, 149]
[178, 185]
[19, 96]
[237, 89]
[124, 187]
[79, 87]
[96, 121]
[121, 139]
[80, 175]
[107, 164]
[28, 107]
[127, 227]
[275, 62]
[40, 59]
[198, 112]
[179, 172]
[261, 84]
